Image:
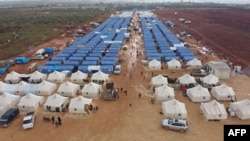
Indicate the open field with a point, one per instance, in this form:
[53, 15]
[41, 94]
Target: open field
[116, 121]
[22, 28]
[225, 31]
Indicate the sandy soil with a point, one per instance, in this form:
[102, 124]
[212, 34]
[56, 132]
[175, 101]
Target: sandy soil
[116, 121]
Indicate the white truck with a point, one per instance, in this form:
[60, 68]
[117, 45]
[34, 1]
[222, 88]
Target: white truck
[29, 120]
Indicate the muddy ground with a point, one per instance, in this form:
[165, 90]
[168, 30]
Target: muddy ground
[117, 121]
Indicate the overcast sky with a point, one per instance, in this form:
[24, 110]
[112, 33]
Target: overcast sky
[198, 1]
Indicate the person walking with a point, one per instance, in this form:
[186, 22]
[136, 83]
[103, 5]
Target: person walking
[139, 95]
[53, 119]
[59, 121]
[56, 124]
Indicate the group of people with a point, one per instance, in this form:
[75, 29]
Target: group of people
[94, 108]
[56, 122]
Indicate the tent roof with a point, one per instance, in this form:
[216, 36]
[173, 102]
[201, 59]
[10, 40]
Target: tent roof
[99, 76]
[186, 79]
[210, 79]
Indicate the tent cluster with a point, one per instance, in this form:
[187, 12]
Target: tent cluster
[198, 93]
[59, 91]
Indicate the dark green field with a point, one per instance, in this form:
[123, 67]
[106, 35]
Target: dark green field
[22, 27]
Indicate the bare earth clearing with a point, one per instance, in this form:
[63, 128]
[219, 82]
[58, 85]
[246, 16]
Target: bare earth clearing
[116, 121]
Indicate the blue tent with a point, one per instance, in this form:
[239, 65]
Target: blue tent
[21, 60]
[84, 69]
[59, 58]
[110, 62]
[75, 58]
[71, 63]
[47, 69]
[89, 62]
[108, 69]
[49, 50]
[53, 63]
[66, 68]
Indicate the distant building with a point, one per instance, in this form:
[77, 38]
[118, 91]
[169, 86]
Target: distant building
[219, 69]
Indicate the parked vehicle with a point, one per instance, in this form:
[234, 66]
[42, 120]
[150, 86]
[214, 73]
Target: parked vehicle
[175, 124]
[110, 92]
[198, 72]
[8, 117]
[29, 120]
[33, 67]
[117, 69]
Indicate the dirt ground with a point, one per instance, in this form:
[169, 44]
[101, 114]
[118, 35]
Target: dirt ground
[225, 31]
[117, 121]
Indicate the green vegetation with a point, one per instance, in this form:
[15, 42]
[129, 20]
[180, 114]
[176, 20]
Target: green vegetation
[22, 27]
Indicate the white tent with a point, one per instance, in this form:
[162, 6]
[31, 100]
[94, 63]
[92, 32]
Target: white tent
[174, 109]
[78, 77]
[68, 89]
[8, 88]
[164, 93]
[198, 94]
[56, 103]
[99, 76]
[158, 80]
[2, 86]
[78, 105]
[241, 109]
[56, 77]
[223, 92]
[186, 79]
[91, 90]
[213, 110]
[46, 88]
[30, 103]
[194, 63]
[174, 64]
[8, 101]
[210, 79]
[20, 88]
[37, 76]
[12, 78]
[154, 65]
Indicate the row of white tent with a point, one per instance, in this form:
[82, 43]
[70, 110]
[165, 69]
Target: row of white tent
[184, 80]
[174, 64]
[212, 110]
[53, 102]
[45, 88]
[55, 77]
[197, 93]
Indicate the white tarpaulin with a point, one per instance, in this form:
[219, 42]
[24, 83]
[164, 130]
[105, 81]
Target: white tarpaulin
[56, 77]
[154, 65]
[158, 80]
[30, 103]
[241, 109]
[68, 89]
[186, 79]
[174, 109]
[174, 64]
[78, 104]
[56, 103]
[213, 110]
[198, 94]
[91, 90]
[223, 92]
[164, 93]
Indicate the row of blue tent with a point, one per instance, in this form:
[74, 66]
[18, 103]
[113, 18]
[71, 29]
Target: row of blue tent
[99, 48]
[158, 40]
